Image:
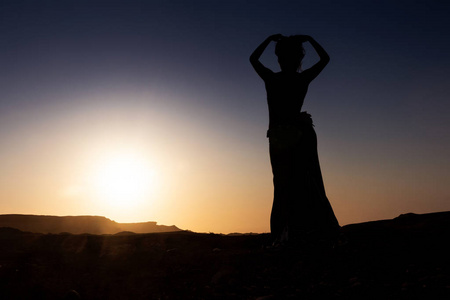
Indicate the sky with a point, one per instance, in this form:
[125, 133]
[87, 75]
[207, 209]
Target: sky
[150, 110]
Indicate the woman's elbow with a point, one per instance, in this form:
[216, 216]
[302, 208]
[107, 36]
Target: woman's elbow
[253, 60]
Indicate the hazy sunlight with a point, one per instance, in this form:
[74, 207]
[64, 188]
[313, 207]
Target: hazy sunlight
[123, 180]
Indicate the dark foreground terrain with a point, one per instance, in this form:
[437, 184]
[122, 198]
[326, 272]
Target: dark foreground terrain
[403, 258]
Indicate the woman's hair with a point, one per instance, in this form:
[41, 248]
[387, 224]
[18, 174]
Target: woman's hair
[290, 49]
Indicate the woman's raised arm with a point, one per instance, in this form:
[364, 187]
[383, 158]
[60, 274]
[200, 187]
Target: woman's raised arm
[254, 58]
[323, 55]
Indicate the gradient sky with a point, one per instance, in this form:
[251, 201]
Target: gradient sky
[167, 86]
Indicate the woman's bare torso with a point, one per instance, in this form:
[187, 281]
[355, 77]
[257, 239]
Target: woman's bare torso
[285, 95]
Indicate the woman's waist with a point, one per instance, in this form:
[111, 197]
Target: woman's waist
[291, 122]
[290, 129]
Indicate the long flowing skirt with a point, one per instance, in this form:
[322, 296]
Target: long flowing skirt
[300, 206]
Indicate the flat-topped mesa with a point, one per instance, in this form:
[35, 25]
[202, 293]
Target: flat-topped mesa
[78, 224]
[146, 227]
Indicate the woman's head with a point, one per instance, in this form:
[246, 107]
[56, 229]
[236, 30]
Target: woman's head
[290, 53]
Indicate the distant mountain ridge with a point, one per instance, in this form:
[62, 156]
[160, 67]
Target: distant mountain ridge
[78, 224]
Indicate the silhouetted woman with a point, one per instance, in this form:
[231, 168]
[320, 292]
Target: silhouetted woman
[301, 210]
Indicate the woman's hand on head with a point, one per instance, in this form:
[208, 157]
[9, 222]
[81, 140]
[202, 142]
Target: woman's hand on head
[303, 38]
[275, 37]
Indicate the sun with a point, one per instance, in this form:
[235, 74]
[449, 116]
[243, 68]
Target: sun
[123, 180]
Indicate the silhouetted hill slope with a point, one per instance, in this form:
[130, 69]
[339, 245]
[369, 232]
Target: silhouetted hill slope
[78, 224]
[438, 221]
[403, 258]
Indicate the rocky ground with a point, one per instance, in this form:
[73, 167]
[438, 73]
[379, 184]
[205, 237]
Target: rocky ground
[403, 258]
